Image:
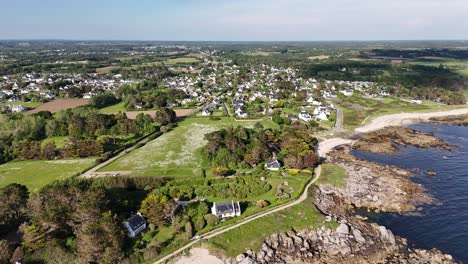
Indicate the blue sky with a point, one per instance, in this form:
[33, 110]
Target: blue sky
[234, 20]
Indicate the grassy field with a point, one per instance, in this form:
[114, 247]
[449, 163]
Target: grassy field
[113, 108]
[463, 72]
[372, 108]
[175, 153]
[107, 69]
[332, 174]
[251, 235]
[36, 174]
[58, 141]
[24, 104]
[459, 66]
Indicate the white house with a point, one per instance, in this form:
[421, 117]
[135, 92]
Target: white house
[322, 116]
[347, 92]
[206, 112]
[135, 225]
[226, 209]
[305, 116]
[17, 108]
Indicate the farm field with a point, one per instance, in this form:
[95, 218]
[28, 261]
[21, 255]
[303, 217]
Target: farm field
[38, 173]
[175, 153]
[59, 104]
[252, 234]
[107, 69]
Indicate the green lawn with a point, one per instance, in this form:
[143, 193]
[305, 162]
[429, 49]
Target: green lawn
[251, 235]
[107, 69]
[175, 153]
[24, 104]
[58, 141]
[463, 72]
[332, 174]
[113, 108]
[36, 174]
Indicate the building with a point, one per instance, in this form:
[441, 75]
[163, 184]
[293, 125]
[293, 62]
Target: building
[135, 225]
[17, 108]
[226, 209]
[273, 165]
[206, 112]
[305, 116]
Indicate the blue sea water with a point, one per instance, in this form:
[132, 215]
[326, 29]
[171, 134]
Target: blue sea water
[443, 225]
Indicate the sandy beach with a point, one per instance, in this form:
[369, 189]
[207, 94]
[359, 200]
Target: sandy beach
[198, 256]
[406, 118]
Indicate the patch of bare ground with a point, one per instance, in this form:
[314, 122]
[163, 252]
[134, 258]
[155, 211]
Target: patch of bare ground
[389, 139]
[59, 104]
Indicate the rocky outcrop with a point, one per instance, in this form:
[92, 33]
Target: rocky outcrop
[387, 140]
[369, 185]
[350, 242]
[461, 120]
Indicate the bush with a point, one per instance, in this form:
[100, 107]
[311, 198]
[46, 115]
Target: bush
[220, 171]
[261, 203]
[211, 219]
[200, 224]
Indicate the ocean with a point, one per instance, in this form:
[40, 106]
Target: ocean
[444, 224]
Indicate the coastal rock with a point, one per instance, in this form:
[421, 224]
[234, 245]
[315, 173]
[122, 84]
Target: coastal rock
[387, 140]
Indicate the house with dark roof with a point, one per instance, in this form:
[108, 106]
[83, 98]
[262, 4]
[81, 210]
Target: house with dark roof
[273, 165]
[135, 225]
[226, 209]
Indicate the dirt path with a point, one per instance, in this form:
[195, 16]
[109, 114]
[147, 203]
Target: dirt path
[249, 219]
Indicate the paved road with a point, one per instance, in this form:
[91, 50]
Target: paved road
[249, 219]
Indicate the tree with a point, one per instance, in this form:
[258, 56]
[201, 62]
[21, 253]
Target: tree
[157, 208]
[6, 251]
[103, 100]
[13, 201]
[100, 241]
[165, 116]
[211, 219]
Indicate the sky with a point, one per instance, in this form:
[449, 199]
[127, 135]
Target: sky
[235, 20]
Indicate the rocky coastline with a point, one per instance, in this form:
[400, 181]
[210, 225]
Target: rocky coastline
[389, 139]
[369, 186]
[461, 120]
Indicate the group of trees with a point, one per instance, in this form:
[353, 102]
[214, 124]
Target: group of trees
[89, 132]
[236, 147]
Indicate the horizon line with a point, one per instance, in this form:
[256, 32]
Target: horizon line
[180, 40]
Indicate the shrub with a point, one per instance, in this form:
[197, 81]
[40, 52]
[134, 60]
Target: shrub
[261, 203]
[211, 219]
[220, 171]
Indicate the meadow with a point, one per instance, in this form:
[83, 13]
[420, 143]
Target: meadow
[35, 174]
[175, 153]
